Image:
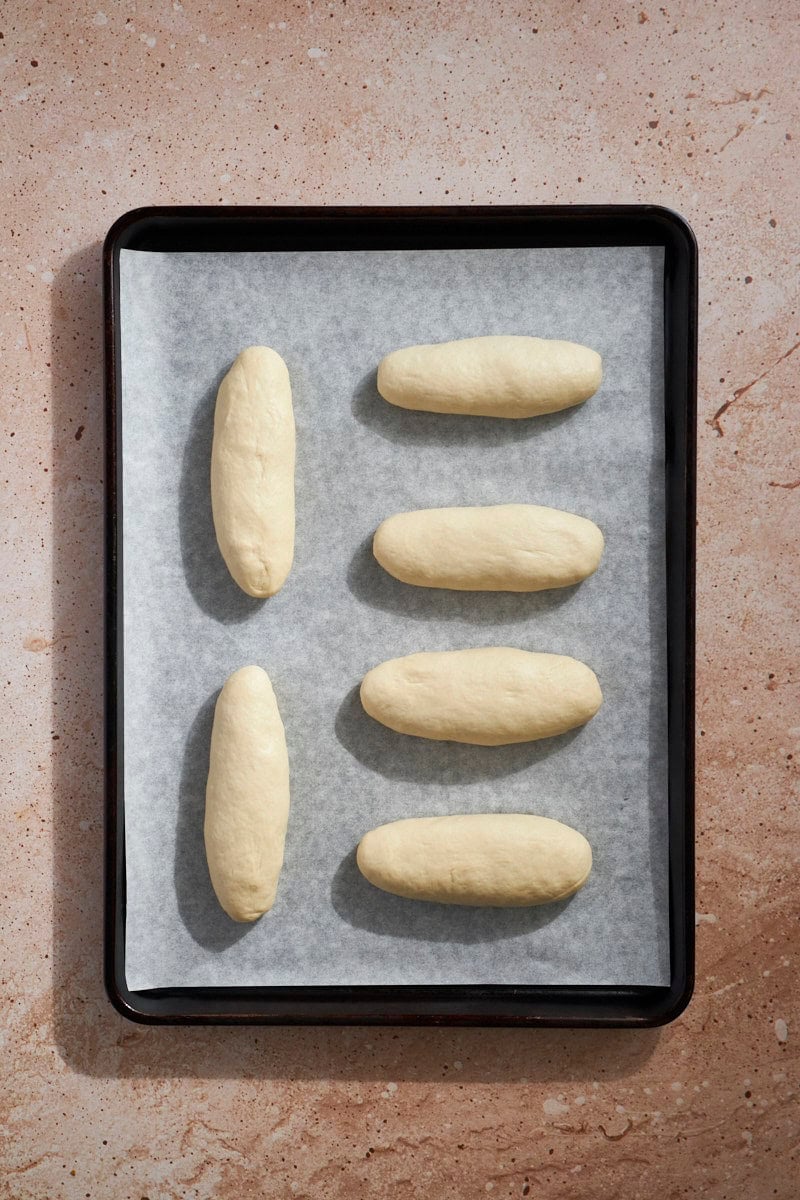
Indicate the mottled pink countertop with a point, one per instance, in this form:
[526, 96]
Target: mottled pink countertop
[112, 105]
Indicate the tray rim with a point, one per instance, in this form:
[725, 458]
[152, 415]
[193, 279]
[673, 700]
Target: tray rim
[213, 228]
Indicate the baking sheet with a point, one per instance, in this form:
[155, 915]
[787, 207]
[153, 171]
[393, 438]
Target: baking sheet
[332, 316]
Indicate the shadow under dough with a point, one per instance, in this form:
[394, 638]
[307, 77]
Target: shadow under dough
[446, 429]
[369, 583]
[415, 759]
[198, 906]
[366, 907]
[204, 568]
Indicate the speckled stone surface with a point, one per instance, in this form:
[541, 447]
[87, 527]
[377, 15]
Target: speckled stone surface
[108, 106]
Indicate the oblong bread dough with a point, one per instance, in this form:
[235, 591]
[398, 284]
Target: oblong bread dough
[247, 795]
[509, 860]
[252, 471]
[488, 697]
[491, 376]
[501, 547]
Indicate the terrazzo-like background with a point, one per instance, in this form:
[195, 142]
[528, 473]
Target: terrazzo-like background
[138, 103]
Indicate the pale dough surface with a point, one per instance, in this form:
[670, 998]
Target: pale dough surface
[252, 471]
[508, 860]
[507, 376]
[499, 547]
[491, 696]
[247, 795]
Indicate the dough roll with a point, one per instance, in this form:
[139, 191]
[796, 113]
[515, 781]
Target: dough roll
[502, 861]
[252, 471]
[491, 376]
[488, 697]
[247, 795]
[501, 547]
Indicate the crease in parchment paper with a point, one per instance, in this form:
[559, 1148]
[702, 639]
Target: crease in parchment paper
[332, 316]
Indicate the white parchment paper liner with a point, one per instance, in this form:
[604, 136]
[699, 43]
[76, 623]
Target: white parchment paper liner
[333, 316]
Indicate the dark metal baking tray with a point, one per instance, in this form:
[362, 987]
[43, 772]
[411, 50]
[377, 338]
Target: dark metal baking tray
[266, 229]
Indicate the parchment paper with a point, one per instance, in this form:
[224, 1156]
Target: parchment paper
[187, 626]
